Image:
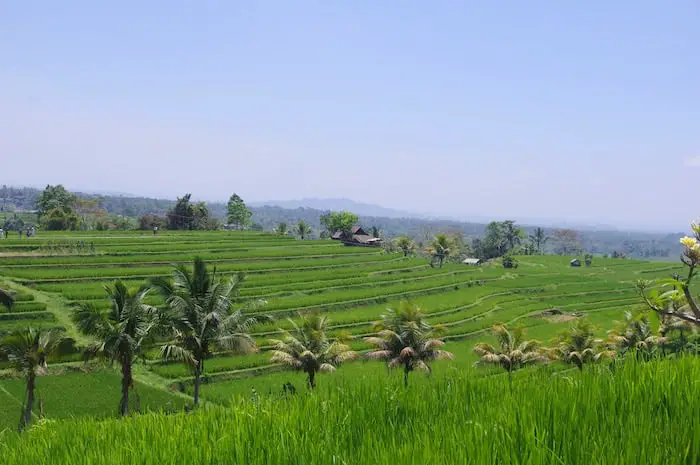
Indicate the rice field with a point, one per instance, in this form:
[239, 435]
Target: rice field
[353, 285]
[631, 413]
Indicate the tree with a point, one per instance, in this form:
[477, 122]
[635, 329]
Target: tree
[282, 229]
[238, 213]
[27, 350]
[406, 245]
[121, 332]
[148, 221]
[55, 197]
[440, 247]
[512, 351]
[494, 243]
[58, 219]
[307, 348]
[579, 346]
[589, 259]
[539, 238]
[343, 221]
[199, 317]
[303, 230]
[677, 302]
[509, 261]
[567, 241]
[86, 209]
[406, 340]
[511, 233]
[6, 299]
[635, 334]
[181, 215]
[201, 218]
[375, 231]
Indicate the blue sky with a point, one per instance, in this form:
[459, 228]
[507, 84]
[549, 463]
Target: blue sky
[584, 111]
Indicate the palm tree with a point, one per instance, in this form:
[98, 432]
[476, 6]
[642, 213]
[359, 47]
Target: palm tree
[441, 247]
[27, 350]
[307, 348]
[6, 299]
[282, 229]
[512, 352]
[121, 332]
[539, 238]
[200, 318]
[512, 234]
[578, 345]
[406, 340]
[406, 245]
[303, 229]
[635, 333]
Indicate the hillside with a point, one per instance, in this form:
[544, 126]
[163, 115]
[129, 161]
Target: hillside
[52, 272]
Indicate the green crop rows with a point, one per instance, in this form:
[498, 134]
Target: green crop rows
[352, 285]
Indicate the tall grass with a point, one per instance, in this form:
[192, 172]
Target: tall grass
[640, 413]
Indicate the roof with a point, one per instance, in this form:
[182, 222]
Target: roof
[358, 230]
[337, 235]
[365, 238]
[575, 260]
[471, 261]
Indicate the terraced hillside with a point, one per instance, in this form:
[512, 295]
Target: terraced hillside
[353, 285]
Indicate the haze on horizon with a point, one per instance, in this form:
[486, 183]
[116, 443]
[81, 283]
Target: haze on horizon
[584, 111]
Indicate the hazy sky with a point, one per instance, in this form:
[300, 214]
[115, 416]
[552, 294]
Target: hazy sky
[584, 110]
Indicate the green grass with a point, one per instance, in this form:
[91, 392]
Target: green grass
[638, 413]
[76, 394]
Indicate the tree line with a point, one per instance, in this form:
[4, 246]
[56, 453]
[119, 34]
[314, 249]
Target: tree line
[122, 212]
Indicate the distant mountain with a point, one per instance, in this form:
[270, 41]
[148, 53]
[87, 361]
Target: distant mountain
[362, 209]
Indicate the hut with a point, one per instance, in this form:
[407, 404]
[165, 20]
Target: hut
[472, 261]
[357, 236]
[575, 262]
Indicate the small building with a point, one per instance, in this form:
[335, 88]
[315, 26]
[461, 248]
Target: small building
[472, 261]
[357, 236]
[575, 262]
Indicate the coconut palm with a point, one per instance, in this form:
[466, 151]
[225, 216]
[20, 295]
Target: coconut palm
[512, 234]
[440, 247]
[6, 299]
[27, 350]
[303, 229]
[512, 351]
[307, 348]
[406, 245]
[199, 317]
[539, 238]
[579, 346]
[121, 332]
[282, 229]
[406, 340]
[634, 334]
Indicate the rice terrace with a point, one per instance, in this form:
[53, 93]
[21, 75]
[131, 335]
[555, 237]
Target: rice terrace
[349, 233]
[284, 284]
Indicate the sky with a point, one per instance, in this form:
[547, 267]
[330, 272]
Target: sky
[583, 111]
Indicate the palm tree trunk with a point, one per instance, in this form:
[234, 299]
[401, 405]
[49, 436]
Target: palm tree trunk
[197, 381]
[406, 371]
[27, 415]
[126, 385]
[312, 379]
